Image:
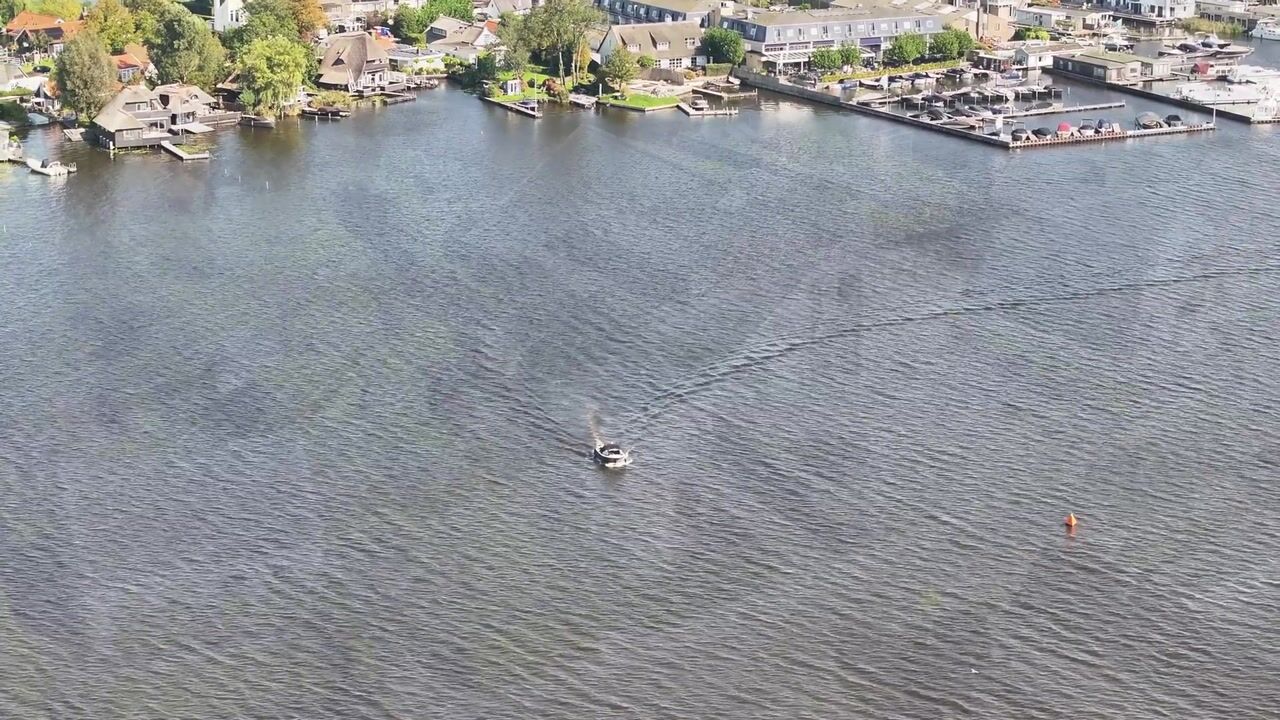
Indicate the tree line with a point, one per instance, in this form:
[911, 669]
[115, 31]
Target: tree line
[270, 52]
[950, 44]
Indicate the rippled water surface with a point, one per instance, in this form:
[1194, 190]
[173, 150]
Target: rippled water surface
[298, 432]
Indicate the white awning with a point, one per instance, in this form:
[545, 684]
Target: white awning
[788, 56]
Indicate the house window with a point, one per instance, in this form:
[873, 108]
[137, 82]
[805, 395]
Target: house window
[691, 43]
[677, 62]
[633, 47]
[813, 31]
[664, 45]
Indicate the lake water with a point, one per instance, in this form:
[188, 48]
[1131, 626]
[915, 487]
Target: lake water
[299, 432]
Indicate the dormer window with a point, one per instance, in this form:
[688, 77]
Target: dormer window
[664, 45]
[691, 43]
[633, 47]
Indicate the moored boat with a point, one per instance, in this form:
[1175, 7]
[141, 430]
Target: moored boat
[52, 168]
[1149, 121]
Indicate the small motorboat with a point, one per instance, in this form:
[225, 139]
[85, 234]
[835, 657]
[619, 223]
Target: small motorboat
[1020, 135]
[528, 104]
[1106, 126]
[1173, 120]
[610, 455]
[1065, 129]
[257, 121]
[430, 83]
[52, 168]
[1149, 121]
[1087, 128]
[1042, 133]
[699, 103]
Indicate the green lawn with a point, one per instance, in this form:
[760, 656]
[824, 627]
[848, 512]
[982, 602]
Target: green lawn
[640, 101]
[881, 72]
[526, 95]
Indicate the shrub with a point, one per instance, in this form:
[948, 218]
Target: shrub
[12, 113]
[646, 61]
[716, 69]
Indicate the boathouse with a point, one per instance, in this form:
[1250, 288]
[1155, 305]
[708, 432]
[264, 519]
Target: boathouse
[1113, 67]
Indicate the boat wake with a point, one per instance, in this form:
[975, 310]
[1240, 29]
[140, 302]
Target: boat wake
[753, 357]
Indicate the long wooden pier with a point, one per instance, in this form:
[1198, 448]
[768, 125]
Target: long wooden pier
[181, 154]
[514, 107]
[1060, 110]
[691, 111]
[1000, 141]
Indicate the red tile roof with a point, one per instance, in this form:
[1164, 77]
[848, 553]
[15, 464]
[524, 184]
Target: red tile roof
[491, 25]
[27, 20]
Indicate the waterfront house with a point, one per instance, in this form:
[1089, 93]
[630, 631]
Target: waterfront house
[412, 60]
[353, 62]
[461, 39]
[497, 8]
[133, 64]
[672, 45]
[228, 15]
[1158, 12]
[1039, 54]
[135, 117]
[1113, 67]
[627, 12]
[27, 32]
[777, 39]
[192, 109]
[1063, 18]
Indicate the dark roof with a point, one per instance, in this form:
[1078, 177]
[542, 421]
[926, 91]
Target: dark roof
[350, 55]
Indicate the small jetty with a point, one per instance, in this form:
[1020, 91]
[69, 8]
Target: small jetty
[517, 107]
[73, 134]
[725, 91]
[582, 101]
[1059, 109]
[1100, 137]
[181, 154]
[327, 113]
[395, 98]
[691, 111]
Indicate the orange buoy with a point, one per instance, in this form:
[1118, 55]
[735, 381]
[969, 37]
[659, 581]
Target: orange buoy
[1071, 520]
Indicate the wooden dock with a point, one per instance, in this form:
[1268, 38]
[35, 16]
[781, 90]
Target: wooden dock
[73, 134]
[513, 107]
[720, 94]
[689, 110]
[181, 154]
[1062, 110]
[582, 101]
[1000, 141]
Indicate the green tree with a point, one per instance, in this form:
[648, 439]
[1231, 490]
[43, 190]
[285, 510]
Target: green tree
[826, 59]
[307, 15]
[644, 62]
[951, 43]
[85, 74]
[185, 50]
[273, 69]
[267, 18]
[410, 24]
[723, 45]
[487, 66]
[850, 54]
[906, 48]
[557, 27]
[145, 16]
[113, 23]
[619, 69]
[1025, 33]
[65, 9]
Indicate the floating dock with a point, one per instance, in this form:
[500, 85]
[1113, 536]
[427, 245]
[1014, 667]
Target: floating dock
[181, 154]
[725, 95]
[582, 101]
[1058, 109]
[1215, 110]
[515, 108]
[1000, 141]
[691, 111]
